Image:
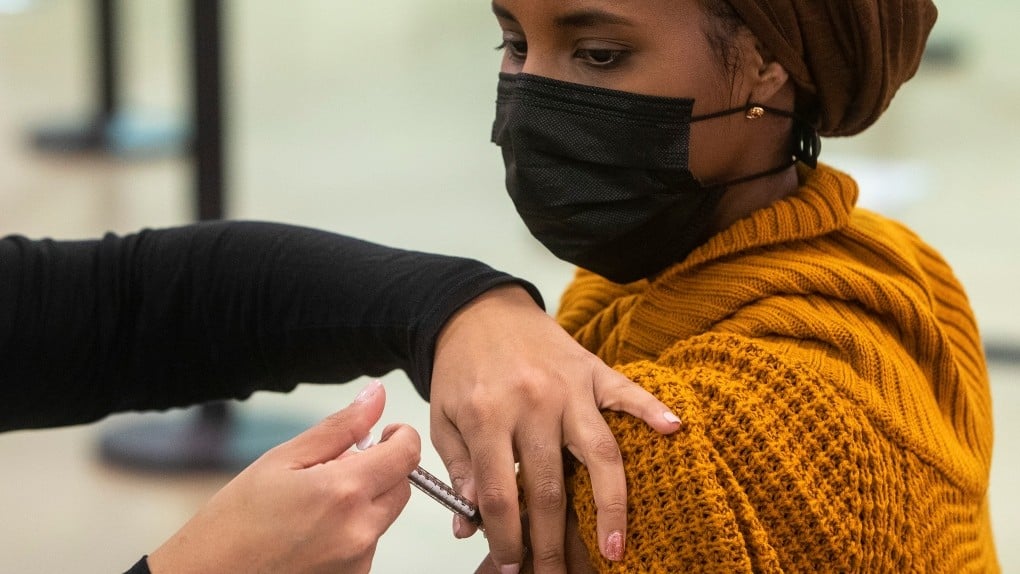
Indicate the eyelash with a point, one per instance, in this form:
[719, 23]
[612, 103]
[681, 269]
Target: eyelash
[616, 57]
[511, 47]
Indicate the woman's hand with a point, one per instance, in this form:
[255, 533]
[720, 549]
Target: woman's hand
[578, 559]
[508, 385]
[308, 505]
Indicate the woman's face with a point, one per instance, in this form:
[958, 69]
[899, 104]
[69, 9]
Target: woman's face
[652, 47]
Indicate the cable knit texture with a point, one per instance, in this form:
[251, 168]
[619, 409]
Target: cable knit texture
[831, 380]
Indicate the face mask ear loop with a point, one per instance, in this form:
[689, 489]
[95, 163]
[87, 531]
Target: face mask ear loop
[753, 176]
[719, 114]
[806, 145]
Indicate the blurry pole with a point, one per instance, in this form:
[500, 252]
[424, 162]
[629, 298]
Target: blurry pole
[213, 436]
[110, 129]
[207, 102]
[107, 77]
[208, 153]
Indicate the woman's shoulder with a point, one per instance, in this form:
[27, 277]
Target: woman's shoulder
[778, 448]
[720, 379]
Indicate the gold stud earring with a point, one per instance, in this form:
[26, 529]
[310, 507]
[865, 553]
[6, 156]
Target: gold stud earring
[755, 112]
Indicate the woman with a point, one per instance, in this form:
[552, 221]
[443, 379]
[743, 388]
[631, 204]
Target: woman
[824, 360]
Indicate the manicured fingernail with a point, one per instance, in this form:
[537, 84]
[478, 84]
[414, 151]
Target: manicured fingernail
[366, 442]
[614, 546]
[671, 418]
[370, 389]
[509, 569]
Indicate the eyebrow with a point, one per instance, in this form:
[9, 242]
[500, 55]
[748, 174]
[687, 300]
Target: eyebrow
[590, 18]
[503, 13]
[579, 19]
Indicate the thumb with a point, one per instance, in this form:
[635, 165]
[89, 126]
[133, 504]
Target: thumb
[337, 432]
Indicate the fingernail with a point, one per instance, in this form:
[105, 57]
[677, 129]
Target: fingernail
[509, 569]
[671, 418]
[456, 527]
[370, 389]
[614, 546]
[366, 442]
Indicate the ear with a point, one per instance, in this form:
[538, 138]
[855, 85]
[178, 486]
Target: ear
[769, 79]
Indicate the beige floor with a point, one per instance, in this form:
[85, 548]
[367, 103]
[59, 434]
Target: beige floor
[372, 119]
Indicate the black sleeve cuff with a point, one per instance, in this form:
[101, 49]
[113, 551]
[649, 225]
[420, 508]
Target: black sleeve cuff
[424, 353]
[141, 567]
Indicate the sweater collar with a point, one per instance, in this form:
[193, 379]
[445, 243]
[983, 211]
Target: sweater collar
[822, 204]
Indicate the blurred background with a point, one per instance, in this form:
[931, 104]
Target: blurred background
[372, 119]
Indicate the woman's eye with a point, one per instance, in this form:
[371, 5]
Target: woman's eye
[602, 58]
[516, 49]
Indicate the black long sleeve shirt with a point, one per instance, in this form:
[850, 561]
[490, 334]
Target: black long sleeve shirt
[174, 317]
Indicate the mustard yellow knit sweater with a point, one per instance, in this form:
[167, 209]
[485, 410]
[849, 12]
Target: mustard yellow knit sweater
[829, 373]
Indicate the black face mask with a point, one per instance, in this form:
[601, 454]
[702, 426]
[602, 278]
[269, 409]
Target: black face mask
[601, 177]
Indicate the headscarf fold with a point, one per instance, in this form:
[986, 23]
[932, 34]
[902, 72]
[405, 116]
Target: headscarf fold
[851, 55]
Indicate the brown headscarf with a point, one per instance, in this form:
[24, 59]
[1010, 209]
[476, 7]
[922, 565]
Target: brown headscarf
[851, 55]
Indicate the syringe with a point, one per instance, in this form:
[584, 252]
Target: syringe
[437, 490]
[443, 494]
